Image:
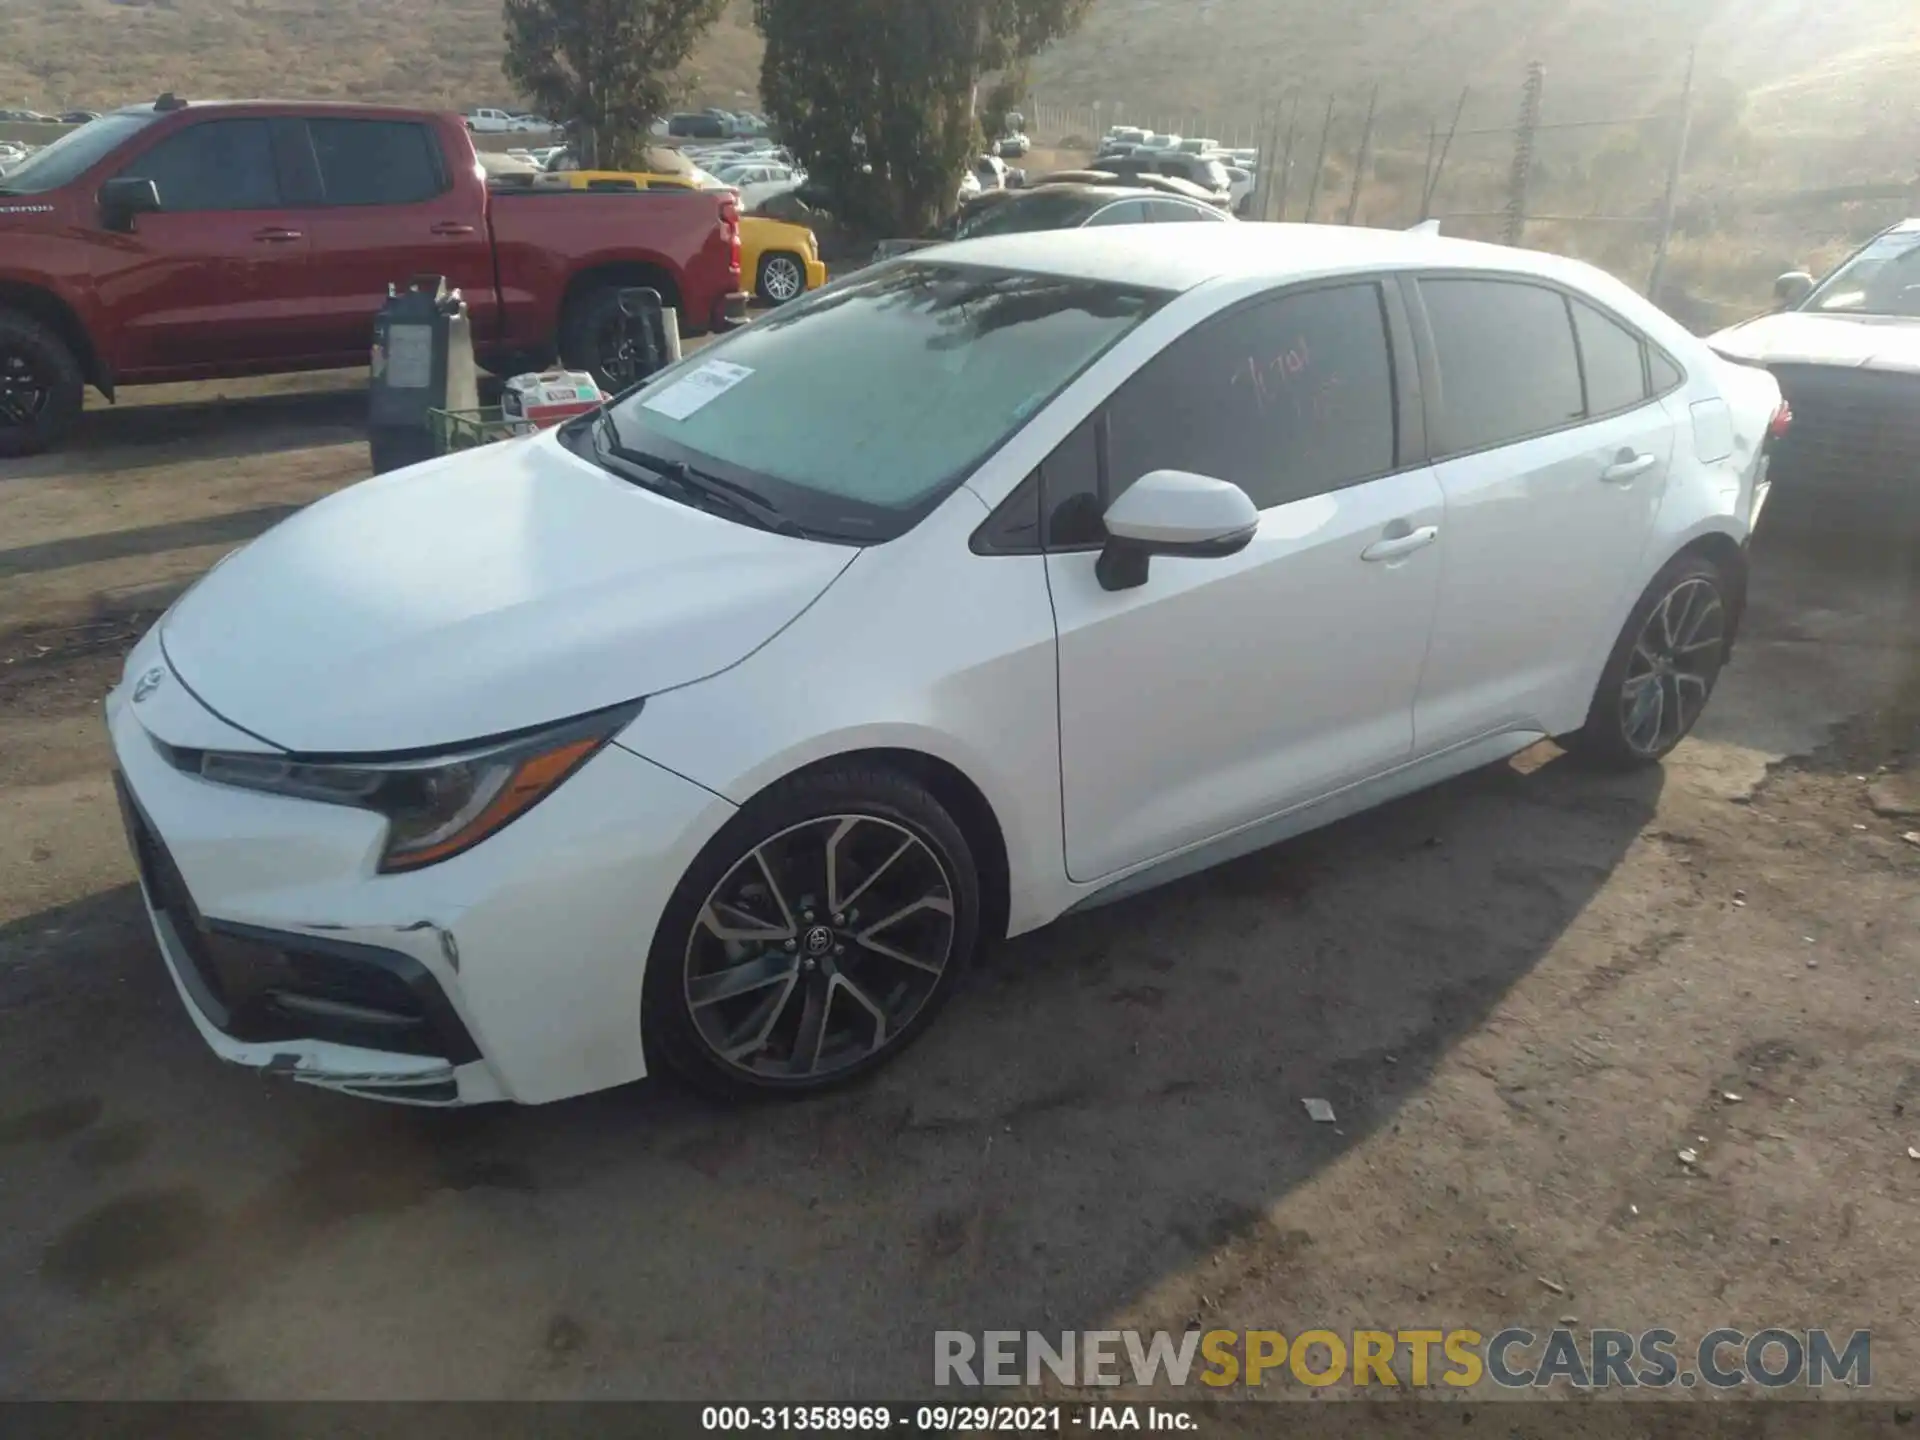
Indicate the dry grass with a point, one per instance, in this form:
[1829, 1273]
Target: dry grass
[1795, 95]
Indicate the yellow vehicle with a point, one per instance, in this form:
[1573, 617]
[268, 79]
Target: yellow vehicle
[780, 261]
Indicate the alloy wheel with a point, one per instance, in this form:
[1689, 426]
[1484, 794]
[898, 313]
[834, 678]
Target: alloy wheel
[1672, 667]
[24, 391]
[782, 279]
[818, 947]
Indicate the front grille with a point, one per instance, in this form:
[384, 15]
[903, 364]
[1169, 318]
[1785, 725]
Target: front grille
[1853, 452]
[266, 985]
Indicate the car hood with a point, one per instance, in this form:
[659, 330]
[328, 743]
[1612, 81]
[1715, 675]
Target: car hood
[480, 594]
[1856, 342]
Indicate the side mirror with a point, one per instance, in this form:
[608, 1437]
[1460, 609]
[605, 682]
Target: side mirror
[1793, 287]
[123, 199]
[1171, 512]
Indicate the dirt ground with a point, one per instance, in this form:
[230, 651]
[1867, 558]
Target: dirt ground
[1524, 994]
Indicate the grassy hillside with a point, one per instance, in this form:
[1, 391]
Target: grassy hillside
[1794, 96]
[57, 54]
[1845, 63]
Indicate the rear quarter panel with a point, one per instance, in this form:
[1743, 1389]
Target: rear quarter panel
[545, 238]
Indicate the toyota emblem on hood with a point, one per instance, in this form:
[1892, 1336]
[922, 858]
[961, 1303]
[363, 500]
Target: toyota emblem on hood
[148, 683]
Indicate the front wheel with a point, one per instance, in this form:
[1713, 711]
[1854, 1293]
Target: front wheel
[41, 387]
[814, 938]
[782, 278]
[1663, 668]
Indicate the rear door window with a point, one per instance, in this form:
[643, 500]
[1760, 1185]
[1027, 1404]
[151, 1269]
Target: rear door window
[1508, 367]
[214, 165]
[377, 162]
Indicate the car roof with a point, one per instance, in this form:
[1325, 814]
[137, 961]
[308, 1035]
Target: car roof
[1140, 255]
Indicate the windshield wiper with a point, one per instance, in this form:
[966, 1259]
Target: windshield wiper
[698, 486]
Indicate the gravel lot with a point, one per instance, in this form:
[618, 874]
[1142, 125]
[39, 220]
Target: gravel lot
[1523, 993]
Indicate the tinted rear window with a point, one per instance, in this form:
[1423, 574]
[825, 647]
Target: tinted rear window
[1507, 363]
[376, 162]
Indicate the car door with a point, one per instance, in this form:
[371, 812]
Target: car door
[214, 278]
[388, 208]
[1553, 470]
[1226, 690]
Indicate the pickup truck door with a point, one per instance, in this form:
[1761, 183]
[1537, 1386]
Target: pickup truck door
[220, 274]
[390, 204]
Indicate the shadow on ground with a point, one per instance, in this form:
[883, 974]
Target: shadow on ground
[142, 434]
[1109, 1101]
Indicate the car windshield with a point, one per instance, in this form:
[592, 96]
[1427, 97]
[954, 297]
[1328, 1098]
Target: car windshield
[74, 153]
[1037, 210]
[1211, 172]
[1883, 279]
[858, 409]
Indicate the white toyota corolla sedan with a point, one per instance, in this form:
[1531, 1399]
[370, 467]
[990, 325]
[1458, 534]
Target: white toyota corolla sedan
[718, 730]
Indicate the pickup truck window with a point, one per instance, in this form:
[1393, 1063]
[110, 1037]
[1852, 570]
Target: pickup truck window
[75, 153]
[377, 162]
[214, 165]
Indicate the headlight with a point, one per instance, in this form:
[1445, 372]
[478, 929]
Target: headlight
[436, 806]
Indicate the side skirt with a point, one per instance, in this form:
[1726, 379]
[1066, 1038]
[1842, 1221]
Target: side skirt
[1420, 774]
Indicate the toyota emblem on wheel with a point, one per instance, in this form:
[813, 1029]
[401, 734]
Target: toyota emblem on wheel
[819, 940]
[148, 683]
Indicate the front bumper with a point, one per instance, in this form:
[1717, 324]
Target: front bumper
[511, 972]
[816, 274]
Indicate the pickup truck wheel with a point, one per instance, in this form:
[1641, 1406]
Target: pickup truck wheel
[782, 278]
[593, 337]
[40, 386]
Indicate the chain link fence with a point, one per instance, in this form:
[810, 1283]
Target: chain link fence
[1676, 199]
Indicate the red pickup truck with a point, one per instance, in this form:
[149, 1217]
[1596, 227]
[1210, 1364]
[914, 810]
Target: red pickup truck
[178, 241]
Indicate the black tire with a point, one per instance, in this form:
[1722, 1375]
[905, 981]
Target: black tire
[782, 278]
[41, 386]
[1616, 736]
[889, 806]
[588, 333]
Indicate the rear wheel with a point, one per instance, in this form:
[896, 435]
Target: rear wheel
[1663, 668]
[815, 937]
[595, 337]
[782, 278]
[41, 386]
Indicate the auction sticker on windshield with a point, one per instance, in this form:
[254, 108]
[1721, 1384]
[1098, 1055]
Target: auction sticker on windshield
[697, 389]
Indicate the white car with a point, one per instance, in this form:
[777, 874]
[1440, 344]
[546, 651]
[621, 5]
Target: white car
[759, 183]
[719, 729]
[491, 122]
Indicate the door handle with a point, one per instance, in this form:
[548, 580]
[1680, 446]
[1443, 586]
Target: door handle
[1396, 547]
[1627, 467]
[275, 236]
[453, 227]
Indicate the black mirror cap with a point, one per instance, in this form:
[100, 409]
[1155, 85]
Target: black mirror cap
[122, 199]
[1123, 564]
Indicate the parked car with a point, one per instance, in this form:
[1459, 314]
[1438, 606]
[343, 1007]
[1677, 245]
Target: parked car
[1013, 147]
[490, 122]
[1063, 517]
[1060, 206]
[174, 241]
[1206, 173]
[1240, 185]
[1198, 147]
[79, 117]
[691, 126]
[1846, 351]
[759, 183]
[780, 260]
